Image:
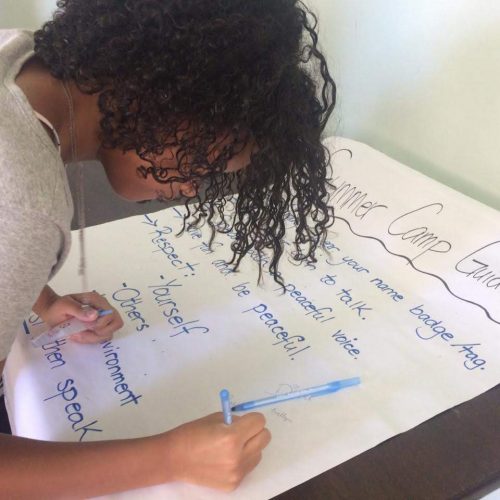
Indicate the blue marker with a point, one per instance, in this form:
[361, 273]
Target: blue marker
[226, 408]
[67, 328]
[320, 390]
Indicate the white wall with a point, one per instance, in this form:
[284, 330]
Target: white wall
[419, 80]
[28, 14]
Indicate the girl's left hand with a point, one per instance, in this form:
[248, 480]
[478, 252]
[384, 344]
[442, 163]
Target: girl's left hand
[85, 307]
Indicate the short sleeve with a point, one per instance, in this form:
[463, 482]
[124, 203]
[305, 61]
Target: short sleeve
[30, 246]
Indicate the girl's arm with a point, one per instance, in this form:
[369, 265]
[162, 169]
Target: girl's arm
[45, 299]
[39, 469]
[206, 452]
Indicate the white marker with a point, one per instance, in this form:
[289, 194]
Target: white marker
[66, 329]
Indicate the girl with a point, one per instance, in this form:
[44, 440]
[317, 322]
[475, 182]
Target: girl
[169, 95]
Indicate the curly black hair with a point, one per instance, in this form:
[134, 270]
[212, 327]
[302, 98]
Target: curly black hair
[181, 73]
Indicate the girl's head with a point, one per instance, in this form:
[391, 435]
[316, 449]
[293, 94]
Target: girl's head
[191, 91]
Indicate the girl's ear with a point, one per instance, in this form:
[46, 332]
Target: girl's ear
[189, 189]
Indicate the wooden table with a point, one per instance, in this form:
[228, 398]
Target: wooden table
[455, 455]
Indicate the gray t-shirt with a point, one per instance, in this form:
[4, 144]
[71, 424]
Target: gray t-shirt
[35, 201]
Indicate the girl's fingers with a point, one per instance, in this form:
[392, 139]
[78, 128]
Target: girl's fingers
[258, 442]
[87, 337]
[106, 331]
[105, 326]
[103, 330]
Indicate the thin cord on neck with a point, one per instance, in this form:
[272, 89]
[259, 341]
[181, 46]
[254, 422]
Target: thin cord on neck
[80, 194]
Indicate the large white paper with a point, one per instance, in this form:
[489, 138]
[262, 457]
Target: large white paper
[407, 298]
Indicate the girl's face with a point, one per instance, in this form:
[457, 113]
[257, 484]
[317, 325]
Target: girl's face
[129, 177]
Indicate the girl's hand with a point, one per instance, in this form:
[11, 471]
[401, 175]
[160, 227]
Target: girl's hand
[83, 306]
[210, 453]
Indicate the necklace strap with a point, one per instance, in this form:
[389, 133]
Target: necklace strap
[80, 194]
[71, 113]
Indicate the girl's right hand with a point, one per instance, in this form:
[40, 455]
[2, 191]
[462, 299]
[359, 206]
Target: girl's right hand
[210, 453]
